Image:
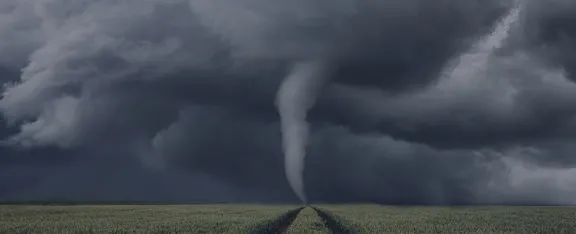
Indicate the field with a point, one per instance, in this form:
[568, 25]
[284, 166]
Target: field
[137, 218]
[283, 219]
[481, 219]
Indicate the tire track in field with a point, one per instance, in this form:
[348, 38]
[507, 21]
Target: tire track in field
[279, 225]
[332, 222]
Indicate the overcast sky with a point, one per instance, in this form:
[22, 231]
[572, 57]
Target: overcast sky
[174, 100]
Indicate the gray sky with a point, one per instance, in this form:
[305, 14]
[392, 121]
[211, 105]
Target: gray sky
[174, 100]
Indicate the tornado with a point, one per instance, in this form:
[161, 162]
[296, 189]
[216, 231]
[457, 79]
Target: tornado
[296, 95]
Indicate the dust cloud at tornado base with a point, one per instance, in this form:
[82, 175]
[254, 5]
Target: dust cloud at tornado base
[151, 78]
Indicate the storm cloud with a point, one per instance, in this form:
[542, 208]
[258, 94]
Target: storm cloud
[141, 96]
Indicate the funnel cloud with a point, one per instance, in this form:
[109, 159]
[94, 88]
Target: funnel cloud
[295, 97]
[393, 102]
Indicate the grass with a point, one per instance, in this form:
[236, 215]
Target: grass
[275, 219]
[389, 219]
[137, 219]
[280, 224]
[308, 222]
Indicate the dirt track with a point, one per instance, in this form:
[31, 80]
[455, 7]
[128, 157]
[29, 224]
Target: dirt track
[282, 224]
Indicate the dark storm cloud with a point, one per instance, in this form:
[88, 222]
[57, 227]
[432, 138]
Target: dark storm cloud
[552, 30]
[426, 40]
[100, 178]
[343, 167]
[190, 85]
[482, 116]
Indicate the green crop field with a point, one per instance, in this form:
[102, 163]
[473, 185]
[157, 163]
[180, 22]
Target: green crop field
[137, 218]
[308, 222]
[481, 219]
[283, 219]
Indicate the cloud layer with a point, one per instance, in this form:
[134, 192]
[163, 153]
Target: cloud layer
[187, 88]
